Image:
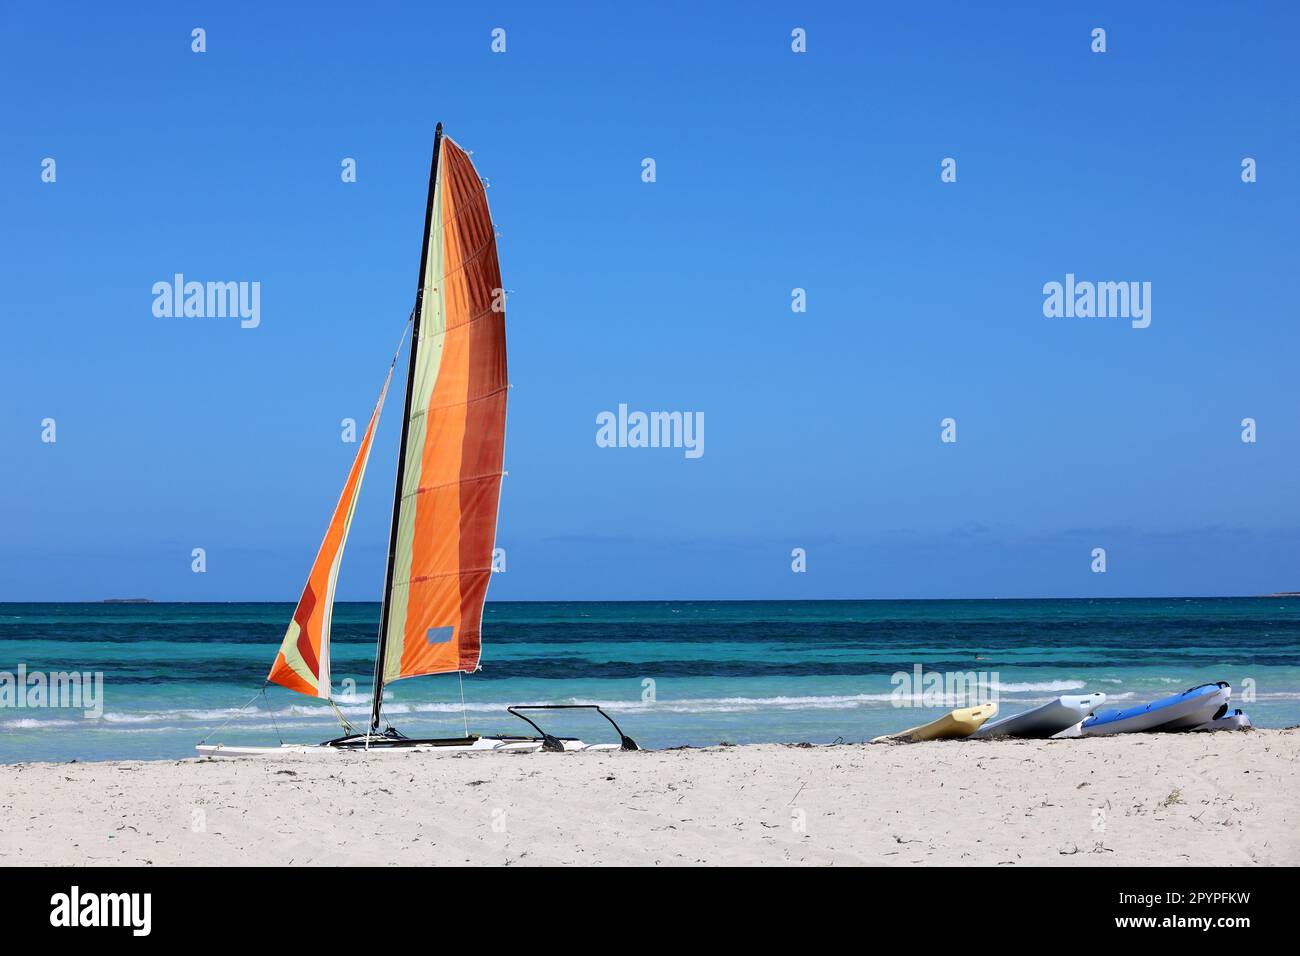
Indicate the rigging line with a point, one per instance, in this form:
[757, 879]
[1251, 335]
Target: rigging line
[463, 714]
[343, 721]
[271, 714]
[372, 724]
[232, 716]
[402, 341]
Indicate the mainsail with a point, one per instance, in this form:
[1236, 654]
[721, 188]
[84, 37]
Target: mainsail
[303, 663]
[453, 438]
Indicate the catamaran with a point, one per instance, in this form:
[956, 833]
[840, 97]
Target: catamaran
[449, 470]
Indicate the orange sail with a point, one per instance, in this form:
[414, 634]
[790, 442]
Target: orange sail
[449, 479]
[303, 663]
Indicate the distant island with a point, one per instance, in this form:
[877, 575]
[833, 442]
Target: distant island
[128, 601]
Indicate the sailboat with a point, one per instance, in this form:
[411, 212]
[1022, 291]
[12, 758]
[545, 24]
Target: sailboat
[449, 470]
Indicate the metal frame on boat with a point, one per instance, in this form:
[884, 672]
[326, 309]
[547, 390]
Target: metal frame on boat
[557, 744]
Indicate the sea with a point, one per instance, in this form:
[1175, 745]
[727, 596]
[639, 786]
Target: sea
[670, 673]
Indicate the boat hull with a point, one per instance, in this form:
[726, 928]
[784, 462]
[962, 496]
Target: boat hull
[1050, 719]
[455, 745]
[477, 745]
[1182, 711]
[1232, 720]
[953, 725]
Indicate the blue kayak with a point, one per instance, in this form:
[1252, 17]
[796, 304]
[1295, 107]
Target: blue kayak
[1184, 711]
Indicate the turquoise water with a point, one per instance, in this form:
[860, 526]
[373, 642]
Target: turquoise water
[742, 672]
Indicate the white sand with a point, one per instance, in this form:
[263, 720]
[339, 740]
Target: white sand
[1154, 800]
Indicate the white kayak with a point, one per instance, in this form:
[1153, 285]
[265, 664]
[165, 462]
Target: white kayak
[1232, 720]
[1184, 711]
[1047, 720]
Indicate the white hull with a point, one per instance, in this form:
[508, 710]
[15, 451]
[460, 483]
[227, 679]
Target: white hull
[1233, 720]
[1054, 717]
[481, 745]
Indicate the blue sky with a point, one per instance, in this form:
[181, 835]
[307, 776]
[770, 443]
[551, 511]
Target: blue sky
[775, 170]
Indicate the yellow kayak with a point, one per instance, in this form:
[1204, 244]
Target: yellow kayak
[961, 722]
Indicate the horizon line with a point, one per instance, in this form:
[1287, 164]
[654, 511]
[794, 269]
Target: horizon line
[1131, 597]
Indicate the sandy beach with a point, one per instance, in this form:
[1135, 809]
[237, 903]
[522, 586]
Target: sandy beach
[1226, 799]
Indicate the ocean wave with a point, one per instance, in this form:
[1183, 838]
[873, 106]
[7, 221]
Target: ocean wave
[680, 705]
[31, 723]
[695, 705]
[687, 705]
[300, 714]
[1024, 686]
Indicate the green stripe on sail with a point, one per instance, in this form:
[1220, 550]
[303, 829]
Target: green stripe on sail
[428, 359]
[292, 656]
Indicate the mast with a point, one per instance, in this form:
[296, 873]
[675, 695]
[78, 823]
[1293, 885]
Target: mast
[401, 448]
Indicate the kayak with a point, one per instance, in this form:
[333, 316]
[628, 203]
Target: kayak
[961, 722]
[1232, 720]
[1051, 718]
[1184, 711]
